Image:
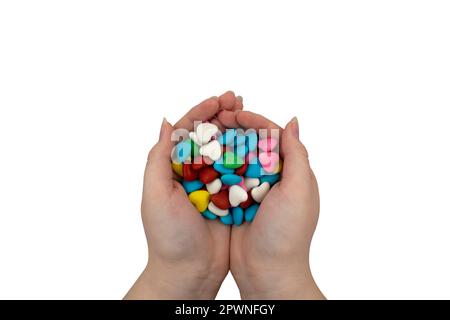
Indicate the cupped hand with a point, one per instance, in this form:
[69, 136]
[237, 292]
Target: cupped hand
[269, 257]
[188, 254]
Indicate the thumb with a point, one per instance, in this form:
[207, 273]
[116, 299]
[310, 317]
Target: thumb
[159, 170]
[296, 165]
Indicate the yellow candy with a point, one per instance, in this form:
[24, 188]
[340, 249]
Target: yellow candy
[178, 168]
[279, 167]
[200, 199]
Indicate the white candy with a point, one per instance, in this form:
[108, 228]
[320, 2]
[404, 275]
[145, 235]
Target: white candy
[237, 195]
[214, 187]
[258, 193]
[251, 183]
[205, 131]
[194, 138]
[217, 211]
[213, 150]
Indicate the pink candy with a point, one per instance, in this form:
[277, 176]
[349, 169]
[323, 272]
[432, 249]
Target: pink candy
[267, 145]
[269, 161]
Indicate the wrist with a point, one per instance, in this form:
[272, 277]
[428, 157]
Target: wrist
[179, 282]
[275, 283]
[169, 282]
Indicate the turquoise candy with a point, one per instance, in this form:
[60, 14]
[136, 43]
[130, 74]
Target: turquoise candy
[253, 170]
[227, 137]
[241, 150]
[252, 141]
[183, 150]
[221, 169]
[191, 186]
[228, 219]
[209, 215]
[250, 212]
[231, 179]
[238, 215]
[271, 179]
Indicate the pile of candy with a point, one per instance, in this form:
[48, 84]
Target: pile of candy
[226, 175]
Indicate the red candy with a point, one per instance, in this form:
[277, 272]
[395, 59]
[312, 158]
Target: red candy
[247, 203]
[221, 199]
[189, 174]
[199, 163]
[207, 175]
[241, 170]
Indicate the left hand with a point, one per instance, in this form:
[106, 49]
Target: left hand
[188, 254]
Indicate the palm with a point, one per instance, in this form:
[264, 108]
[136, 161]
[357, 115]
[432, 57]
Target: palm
[285, 219]
[183, 233]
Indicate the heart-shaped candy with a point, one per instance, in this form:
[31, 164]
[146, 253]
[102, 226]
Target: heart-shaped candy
[241, 171]
[212, 150]
[226, 175]
[205, 131]
[208, 175]
[237, 195]
[268, 144]
[177, 168]
[199, 163]
[194, 138]
[231, 179]
[232, 160]
[238, 215]
[227, 220]
[269, 161]
[189, 174]
[247, 203]
[214, 187]
[217, 211]
[250, 212]
[250, 183]
[200, 199]
[258, 193]
[221, 200]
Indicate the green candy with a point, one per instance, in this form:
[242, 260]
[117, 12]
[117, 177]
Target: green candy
[232, 161]
[195, 149]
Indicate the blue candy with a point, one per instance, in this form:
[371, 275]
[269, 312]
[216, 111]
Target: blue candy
[228, 219]
[231, 179]
[221, 169]
[250, 212]
[271, 179]
[183, 150]
[191, 186]
[252, 140]
[253, 170]
[227, 137]
[238, 215]
[209, 215]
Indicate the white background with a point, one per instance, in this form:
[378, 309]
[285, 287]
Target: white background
[84, 86]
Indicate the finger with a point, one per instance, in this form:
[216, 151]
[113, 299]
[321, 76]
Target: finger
[201, 112]
[218, 123]
[296, 165]
[250, 120]
[159, 168]
[228, 118]
[227, 100]
[239, 104]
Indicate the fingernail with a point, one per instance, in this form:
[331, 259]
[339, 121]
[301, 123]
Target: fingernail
[163, 126]
[240, 98]
[294, 127]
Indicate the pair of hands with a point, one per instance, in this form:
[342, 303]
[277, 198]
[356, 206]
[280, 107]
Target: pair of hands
[189, 256]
